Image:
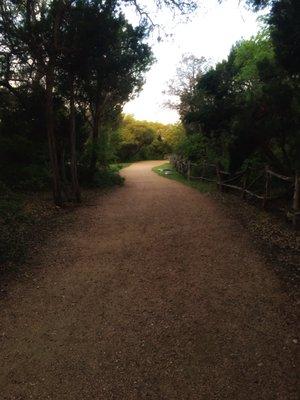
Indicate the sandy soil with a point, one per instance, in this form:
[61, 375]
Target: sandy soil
[152, 293]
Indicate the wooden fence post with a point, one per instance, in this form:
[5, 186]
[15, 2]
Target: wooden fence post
[189, 170]
[219, 177]
[267, 187]
[245, 182]
[296, 201]
[203, 169]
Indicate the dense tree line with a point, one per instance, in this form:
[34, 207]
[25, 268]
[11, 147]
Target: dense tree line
[136, 140]
[246, 109]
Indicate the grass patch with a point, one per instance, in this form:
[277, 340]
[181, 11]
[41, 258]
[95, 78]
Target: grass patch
[203, 187]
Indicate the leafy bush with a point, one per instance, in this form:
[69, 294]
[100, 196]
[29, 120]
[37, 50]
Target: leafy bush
[103, 177]
[106, 177]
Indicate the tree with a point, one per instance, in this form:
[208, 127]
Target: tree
[144, 140]
[113, 71]
[285, 30]
[135, 136]
[31, 36]
[247, 105]
[187, 73]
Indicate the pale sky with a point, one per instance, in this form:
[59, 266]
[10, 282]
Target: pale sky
[211, 32]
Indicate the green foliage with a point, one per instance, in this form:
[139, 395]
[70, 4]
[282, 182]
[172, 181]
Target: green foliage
[193, 147]
[118, 166]
[105, 177]
[245, 107]
[249, 55]
[173, 135]
[285, 30]
[196, 146]
[145, 140]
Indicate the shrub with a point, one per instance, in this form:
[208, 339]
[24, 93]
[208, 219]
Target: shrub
[107, 177]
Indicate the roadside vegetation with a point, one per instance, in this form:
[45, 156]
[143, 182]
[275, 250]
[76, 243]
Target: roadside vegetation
[118, 166]
[167, 170]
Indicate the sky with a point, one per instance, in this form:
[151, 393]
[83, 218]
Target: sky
[210, 32]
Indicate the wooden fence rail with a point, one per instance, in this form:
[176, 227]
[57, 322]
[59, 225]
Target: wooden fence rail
[240, 181]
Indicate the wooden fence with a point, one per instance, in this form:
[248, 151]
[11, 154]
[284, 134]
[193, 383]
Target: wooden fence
[249, 183]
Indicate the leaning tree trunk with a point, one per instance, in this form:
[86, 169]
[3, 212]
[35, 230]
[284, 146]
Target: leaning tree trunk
[74, 172]
[56, 179]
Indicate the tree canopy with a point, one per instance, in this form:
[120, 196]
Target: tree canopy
[80, 61]
[145, 140]
[247, 107]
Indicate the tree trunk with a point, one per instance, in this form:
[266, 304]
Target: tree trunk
[74, 172]
[64, 184]
[62, 162]
[95, 138]
[296, 200]
[56, 179]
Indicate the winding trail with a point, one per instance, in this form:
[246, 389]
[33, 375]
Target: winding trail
[153, 293]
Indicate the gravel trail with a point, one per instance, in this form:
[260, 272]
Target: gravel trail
[152, 293]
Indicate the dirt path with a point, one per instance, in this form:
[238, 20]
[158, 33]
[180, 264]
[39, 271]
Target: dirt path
[153, 294]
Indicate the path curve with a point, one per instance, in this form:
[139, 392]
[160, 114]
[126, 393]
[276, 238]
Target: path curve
[153, 293]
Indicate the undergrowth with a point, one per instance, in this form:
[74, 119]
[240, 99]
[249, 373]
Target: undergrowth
[14, 222]
[203, 187]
